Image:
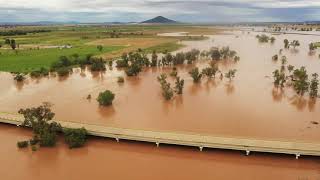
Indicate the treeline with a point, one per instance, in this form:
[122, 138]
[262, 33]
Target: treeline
[22, 32]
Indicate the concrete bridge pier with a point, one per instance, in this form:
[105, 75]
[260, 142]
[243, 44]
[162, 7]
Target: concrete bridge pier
[117, 139]
[158, 144]
[200, 148]
[247, 152]
[297, 156]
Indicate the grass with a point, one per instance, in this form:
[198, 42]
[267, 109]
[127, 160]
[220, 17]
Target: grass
[29, 60]
[84, 39]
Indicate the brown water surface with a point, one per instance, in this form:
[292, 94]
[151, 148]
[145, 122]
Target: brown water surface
[104, 159]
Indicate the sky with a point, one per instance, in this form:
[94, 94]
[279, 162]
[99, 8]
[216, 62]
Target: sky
[196, 11]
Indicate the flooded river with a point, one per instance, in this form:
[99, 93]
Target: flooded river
[249, 106]
[106, 159]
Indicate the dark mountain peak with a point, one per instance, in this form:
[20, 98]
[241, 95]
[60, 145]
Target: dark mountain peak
[160, 20]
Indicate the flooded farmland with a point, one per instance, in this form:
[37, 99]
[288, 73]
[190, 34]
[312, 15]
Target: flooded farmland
[248, 106]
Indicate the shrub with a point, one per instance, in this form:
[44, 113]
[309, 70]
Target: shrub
[64, 71]
[75, 137]
[120, 80]
[105, 98]
[98, 65]
[196, 75]
[33, 141]
[133, 70]
[48, 138]
[22, 144]
[19, 77]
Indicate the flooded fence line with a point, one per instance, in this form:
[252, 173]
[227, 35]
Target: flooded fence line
[187, 139]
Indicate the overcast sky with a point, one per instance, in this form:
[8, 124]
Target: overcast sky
[138, 10]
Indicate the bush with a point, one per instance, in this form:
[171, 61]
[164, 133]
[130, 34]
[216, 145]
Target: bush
[22, 144]
[98, 65]
[196, 75]
[120, 80]
[105, 98]
[33, 141]
[19, 77]
[64, 71]
[133, 70]
[75, 137]
[48, 139]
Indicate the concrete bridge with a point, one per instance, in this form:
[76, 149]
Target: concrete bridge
[187, 139]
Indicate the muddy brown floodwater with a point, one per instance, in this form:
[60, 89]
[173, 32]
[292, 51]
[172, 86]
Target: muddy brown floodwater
[104, 159]
[248, 106]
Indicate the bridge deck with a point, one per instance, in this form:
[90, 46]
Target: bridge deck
[188, 139]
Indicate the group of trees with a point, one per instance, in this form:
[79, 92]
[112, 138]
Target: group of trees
[265, 39]
[167, 90]
[21, 32]
[225, 53]
[45, 130]
[11, 42]
[296, 78]
[293, 43]
[210, 72]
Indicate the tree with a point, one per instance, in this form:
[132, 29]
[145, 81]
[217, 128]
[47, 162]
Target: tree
[154, 59]
[100, 47]
[167, 91]
[279, 78]
[13, 44]
[300, 81]
[314, 86]
[210, 71]
[215, 54]
[105, 98]
[231, 74]
[134, 69]
[286, 43]
[312, 46]
[295, 43]
[40, 120]
[75, 137]
[272, 39]
[179, 85]
[275, 57]
[19, 77]
[195, 74]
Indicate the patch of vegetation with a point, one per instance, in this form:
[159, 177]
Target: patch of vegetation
[105, 98]
[75, 138]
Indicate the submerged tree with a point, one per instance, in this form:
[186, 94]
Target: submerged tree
[105, 98]
[40, 120]
[167, 91]
[295, 43]
[314, 86]
[179, 85]
[279, 78]
[286, 43]
[195, 74]
[300, 81]
[231, 74]
[210, 71]
[154, 59]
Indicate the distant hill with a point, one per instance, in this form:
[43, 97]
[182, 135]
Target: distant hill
[159, 20]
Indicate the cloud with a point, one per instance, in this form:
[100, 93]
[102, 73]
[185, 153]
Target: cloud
[138, 10]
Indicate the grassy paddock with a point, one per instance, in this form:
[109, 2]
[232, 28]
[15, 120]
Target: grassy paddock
[84, 40]
[29, 60]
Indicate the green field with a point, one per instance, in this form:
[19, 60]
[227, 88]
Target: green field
[29, 60]
[34, 52]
